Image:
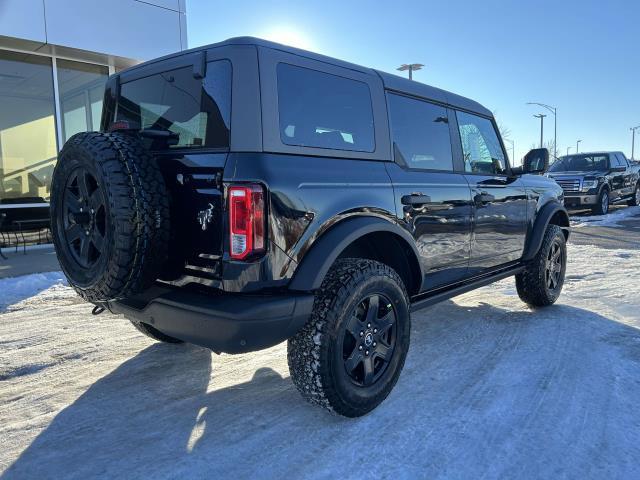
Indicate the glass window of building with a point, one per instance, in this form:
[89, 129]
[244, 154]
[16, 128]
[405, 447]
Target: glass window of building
[28, 147]
[81, 88]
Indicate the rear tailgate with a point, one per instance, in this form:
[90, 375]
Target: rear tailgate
[183, 114]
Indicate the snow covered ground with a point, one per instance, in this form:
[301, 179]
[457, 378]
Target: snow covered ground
[490, 389]
[612, 219]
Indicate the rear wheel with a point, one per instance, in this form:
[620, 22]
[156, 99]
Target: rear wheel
[602, 207]
[635, 199]
[541, 282]
[351, 352]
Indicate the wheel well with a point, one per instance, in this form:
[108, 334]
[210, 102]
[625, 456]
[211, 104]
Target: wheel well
[392, 250]
[561, 219]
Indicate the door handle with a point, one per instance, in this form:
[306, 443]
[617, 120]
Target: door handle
[415, 199]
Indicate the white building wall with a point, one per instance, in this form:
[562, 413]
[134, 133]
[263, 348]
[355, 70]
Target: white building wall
[133, 29]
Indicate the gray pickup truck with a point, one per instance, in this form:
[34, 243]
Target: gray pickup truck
[596, 180]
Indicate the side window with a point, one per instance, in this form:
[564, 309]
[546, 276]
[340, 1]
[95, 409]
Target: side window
[420, 133]
[614, 161]
[321, 110]
[480, 145]
[621, 160]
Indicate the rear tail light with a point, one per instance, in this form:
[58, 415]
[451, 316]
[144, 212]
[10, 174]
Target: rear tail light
[246, 220]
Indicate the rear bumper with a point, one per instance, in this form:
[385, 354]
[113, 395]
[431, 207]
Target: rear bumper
[580, 201]
[230, 323]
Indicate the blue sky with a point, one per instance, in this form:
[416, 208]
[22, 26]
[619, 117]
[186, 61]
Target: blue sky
[581, 56]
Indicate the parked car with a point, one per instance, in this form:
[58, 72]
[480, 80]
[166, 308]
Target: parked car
[246, 193]
[596, 180]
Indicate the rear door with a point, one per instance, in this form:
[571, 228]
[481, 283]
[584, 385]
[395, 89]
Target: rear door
[433, 202]
[628, 184]
[499, 199]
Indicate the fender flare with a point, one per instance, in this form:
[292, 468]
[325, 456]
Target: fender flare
[326, 249]
[534, 239]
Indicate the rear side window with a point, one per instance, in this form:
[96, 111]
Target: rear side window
[321, 110]
[420, 132]
[481, 147]
[197, 110]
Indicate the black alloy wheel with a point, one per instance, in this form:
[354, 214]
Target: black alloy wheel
[369, 340]
[84, 217]
[554, 267]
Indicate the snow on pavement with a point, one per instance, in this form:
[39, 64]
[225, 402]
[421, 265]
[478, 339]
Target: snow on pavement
[490, 389]
[15, 289]
[612, 219]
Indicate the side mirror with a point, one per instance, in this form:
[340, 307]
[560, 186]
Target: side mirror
[536, 161]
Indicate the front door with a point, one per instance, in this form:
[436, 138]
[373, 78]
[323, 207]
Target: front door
[433, 202]
[499, 199]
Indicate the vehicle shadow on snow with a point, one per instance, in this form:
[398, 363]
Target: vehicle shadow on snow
[485, 391]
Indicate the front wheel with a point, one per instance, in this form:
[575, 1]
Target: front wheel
[351, 352]
[540, 283]
[602, 207]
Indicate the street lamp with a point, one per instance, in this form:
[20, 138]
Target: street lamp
[513, 150]
[633, 140]
[578, 145]
[412, 67]
[541, 117]
[568, 148]
[553, 110]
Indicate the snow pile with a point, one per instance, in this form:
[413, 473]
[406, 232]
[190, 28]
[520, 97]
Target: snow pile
[16, 289]
[490, 389]
[612, 219]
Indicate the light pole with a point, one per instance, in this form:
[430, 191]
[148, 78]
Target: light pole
[553, 110]
[541, 117]
[513, 150]
[412, 67]
[568, 148]
[578, 145]
[633, 140]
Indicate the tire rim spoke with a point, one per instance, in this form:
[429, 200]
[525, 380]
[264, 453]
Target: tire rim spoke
[97, 239]
[385, 322]
[354, 360]
[372, 309]
[85, 245]
[382, 351]
[72, 202]
[354, 326]
[368, 370]
[74, 232]
[83, 184]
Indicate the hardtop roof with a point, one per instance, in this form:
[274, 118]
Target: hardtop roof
[390, 81]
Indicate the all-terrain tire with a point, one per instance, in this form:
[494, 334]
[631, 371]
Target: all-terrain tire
[316, 359]
[533, 284]
[602, 206]
[153, 333]
[127, 230]
[634, 201]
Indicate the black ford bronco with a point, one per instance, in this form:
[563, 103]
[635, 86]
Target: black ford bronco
[246, 193]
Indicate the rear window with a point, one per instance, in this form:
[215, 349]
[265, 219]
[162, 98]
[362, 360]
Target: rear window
[321, 110]
[197, 110]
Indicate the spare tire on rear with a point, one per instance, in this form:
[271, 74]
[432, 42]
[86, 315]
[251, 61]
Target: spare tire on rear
[109, 215]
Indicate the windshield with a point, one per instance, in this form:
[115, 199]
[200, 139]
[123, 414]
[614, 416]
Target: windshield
[196, 110]
[581, 163]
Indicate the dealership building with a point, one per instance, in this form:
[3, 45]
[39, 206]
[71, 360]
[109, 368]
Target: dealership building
[55, 57]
